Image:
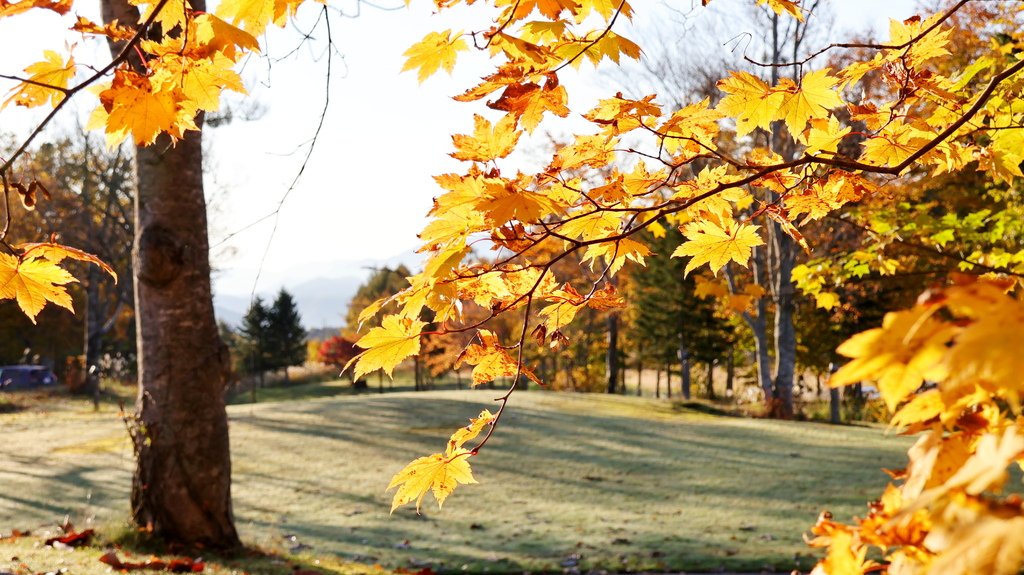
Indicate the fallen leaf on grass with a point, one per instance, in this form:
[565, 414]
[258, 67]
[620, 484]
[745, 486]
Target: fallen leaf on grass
[14, 534]
[72, 538]
[181, 565]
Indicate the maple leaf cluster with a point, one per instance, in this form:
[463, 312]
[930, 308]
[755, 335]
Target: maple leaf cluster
[948, 367]
[596, 193]
[950, 371]
[158, 84]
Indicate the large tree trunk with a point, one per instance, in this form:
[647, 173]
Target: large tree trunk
[612, 355]
[833, 405]
[182, 484]
[758, 323]
[785, 333]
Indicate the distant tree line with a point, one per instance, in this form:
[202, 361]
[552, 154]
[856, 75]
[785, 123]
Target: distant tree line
[270, 338]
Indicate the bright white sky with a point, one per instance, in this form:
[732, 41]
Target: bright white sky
[367, 187]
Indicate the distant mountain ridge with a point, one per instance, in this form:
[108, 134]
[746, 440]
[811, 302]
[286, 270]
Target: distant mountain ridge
[322, 300]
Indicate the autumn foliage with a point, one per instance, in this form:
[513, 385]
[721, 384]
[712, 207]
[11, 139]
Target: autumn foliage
[948, 368]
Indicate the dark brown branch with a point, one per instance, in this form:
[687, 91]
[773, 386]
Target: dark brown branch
[591, 43]
[863, 45]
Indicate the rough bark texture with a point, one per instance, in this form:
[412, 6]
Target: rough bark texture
[182, 485]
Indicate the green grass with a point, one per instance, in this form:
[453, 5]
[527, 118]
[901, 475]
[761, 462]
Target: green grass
[28, 556]
[623, 483]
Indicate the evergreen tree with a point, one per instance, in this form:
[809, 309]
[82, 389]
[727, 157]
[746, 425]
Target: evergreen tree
[671, 324]
[254, 332]
[285, 336]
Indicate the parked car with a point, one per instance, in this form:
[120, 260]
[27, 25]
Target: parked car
[13, 377]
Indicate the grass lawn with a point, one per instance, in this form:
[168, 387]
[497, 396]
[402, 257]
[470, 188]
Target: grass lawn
[590, 481]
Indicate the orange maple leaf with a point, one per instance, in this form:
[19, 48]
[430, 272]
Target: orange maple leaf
[488, 142]
[491, 360]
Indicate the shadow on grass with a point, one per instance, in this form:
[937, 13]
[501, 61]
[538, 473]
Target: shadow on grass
[592, 482]
[610, 487]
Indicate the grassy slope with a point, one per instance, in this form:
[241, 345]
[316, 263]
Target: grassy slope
[625, 482]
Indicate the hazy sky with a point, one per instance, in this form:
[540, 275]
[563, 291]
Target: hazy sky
[367, 186]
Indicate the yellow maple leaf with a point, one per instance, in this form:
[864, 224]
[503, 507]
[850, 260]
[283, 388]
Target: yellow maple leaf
[824, 135]
[781, 7]
[594, 150]
[199, 81]
[436, 473]
[900, 355]
[611, 46]
[813, 98]
[615, 254]
[388, 344]
[931, 45]
[56, 253]
[12, 8]
[716, 244]
[491, 360]
[252, 15]
[132, 104]
[172, 14]
[826, 299]
[750, 101]
[33, 282]
[221, 37]
[592, 225]
[506, 204]
[894, 144]
[487, 142]
[469, 432]
[709, 288]
[550, 9]
[844, 557]
[47, 81]
[922, 408]
[435, 51]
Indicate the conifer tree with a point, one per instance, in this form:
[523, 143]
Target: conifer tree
[285, 336]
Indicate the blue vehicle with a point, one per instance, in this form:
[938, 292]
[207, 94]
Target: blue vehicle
[15, 377]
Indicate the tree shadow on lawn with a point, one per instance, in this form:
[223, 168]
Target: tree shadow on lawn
[36, 493]
[624, 483]
[674, 493]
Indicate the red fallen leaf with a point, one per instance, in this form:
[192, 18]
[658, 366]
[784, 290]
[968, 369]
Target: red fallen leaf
[154, 563]
[110, 558]
[14, 534]
[185, 566]
[73, 539]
